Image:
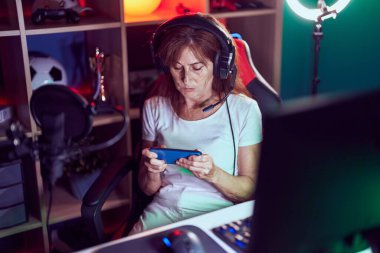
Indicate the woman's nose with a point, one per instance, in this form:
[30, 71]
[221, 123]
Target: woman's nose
[185, 76]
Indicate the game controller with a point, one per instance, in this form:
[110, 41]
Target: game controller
[39, 15]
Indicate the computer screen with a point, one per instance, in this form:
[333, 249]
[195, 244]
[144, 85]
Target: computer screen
[319, 174]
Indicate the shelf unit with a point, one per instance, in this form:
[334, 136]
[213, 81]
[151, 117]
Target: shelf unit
[125, 40]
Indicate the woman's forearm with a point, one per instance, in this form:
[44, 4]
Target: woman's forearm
[235, 188]
[149, 182]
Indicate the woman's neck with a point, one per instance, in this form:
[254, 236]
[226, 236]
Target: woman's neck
[192, 110]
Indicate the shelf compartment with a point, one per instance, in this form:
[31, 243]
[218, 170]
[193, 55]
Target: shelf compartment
[74, 50]
[67, 207]
[8, 17]
[166, 10]
[13, 92]
[32, 223]
[28, 241]
[105, 14]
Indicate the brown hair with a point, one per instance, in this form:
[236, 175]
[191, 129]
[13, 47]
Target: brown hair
[204, 45]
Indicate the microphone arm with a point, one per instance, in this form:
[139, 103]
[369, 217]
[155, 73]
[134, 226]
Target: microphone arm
[108, 143]
[51, 148]
[22, 145]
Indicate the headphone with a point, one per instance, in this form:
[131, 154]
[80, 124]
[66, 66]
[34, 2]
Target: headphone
[224, 62]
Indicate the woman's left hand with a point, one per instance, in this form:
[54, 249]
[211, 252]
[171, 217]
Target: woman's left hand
[201, 166]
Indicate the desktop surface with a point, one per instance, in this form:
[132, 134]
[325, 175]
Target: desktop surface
[154, 243]
[202, 225]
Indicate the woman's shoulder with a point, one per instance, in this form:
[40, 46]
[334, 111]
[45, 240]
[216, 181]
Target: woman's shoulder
[244, 105]
[242, 100]
[157, 100]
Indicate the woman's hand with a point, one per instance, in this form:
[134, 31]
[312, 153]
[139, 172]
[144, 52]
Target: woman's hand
[201, 166]
[150, 170]
[151, 162]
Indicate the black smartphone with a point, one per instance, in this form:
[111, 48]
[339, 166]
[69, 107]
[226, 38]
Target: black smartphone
[170, 156]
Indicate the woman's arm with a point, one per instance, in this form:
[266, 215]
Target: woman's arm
[241, 187]
[236, 188]
[150, 170]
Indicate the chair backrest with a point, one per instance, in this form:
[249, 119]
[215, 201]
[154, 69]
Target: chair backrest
[266, 97]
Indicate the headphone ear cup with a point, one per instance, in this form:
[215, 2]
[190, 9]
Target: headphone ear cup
[234, 71]
[222, 69]
[217, 65]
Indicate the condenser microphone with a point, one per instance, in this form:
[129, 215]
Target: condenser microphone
[52, 147]
[64, 117]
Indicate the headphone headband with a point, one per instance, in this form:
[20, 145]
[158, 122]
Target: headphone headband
[225, 59]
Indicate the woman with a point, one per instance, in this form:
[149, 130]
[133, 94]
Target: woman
[228, 134]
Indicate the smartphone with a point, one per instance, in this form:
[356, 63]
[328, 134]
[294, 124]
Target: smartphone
[170, 156]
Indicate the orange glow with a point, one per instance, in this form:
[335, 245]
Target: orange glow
[140, 7]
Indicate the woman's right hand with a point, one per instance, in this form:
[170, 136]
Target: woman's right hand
[151, 162]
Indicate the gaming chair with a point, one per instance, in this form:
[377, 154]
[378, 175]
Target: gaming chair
[266, 97]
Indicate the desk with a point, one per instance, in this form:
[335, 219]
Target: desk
[205, 222]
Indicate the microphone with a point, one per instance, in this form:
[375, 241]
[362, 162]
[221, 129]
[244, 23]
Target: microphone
[65, 118]
[210, 107]
[232, 83]
[52, 149]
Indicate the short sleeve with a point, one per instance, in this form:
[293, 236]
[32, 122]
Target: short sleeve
[251, 127]
[148, 122]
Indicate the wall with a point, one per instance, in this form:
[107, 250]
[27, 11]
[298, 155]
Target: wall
[349, 56]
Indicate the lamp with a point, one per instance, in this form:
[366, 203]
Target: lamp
[140, 7]
[318, 15]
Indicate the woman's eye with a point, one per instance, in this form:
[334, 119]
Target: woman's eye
[197, 68]
[177, 67]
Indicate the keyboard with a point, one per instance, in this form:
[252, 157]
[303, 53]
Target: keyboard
[237, 234]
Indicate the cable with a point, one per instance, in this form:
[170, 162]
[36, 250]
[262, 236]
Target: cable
[233, 136]
[50, 204]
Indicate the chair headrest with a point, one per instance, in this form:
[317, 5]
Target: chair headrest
[243, 62]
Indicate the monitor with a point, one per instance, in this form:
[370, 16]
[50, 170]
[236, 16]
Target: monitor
[319, 174]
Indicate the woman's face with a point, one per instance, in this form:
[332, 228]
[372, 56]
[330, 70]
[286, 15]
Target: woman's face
[193, 76]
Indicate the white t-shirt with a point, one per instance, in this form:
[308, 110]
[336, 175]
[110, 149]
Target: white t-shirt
[182, 195]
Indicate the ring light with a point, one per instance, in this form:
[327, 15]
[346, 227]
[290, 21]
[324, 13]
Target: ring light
[318, 15]
[313, 14]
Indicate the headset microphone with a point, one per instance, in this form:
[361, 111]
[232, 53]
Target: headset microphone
[232, 83]
[210, 107]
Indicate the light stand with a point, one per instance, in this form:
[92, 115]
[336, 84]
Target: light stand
[317, 36]
[318, 15]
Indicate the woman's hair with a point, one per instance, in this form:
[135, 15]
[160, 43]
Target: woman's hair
[204, 45]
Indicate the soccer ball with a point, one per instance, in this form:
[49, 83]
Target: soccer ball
[46, 70]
